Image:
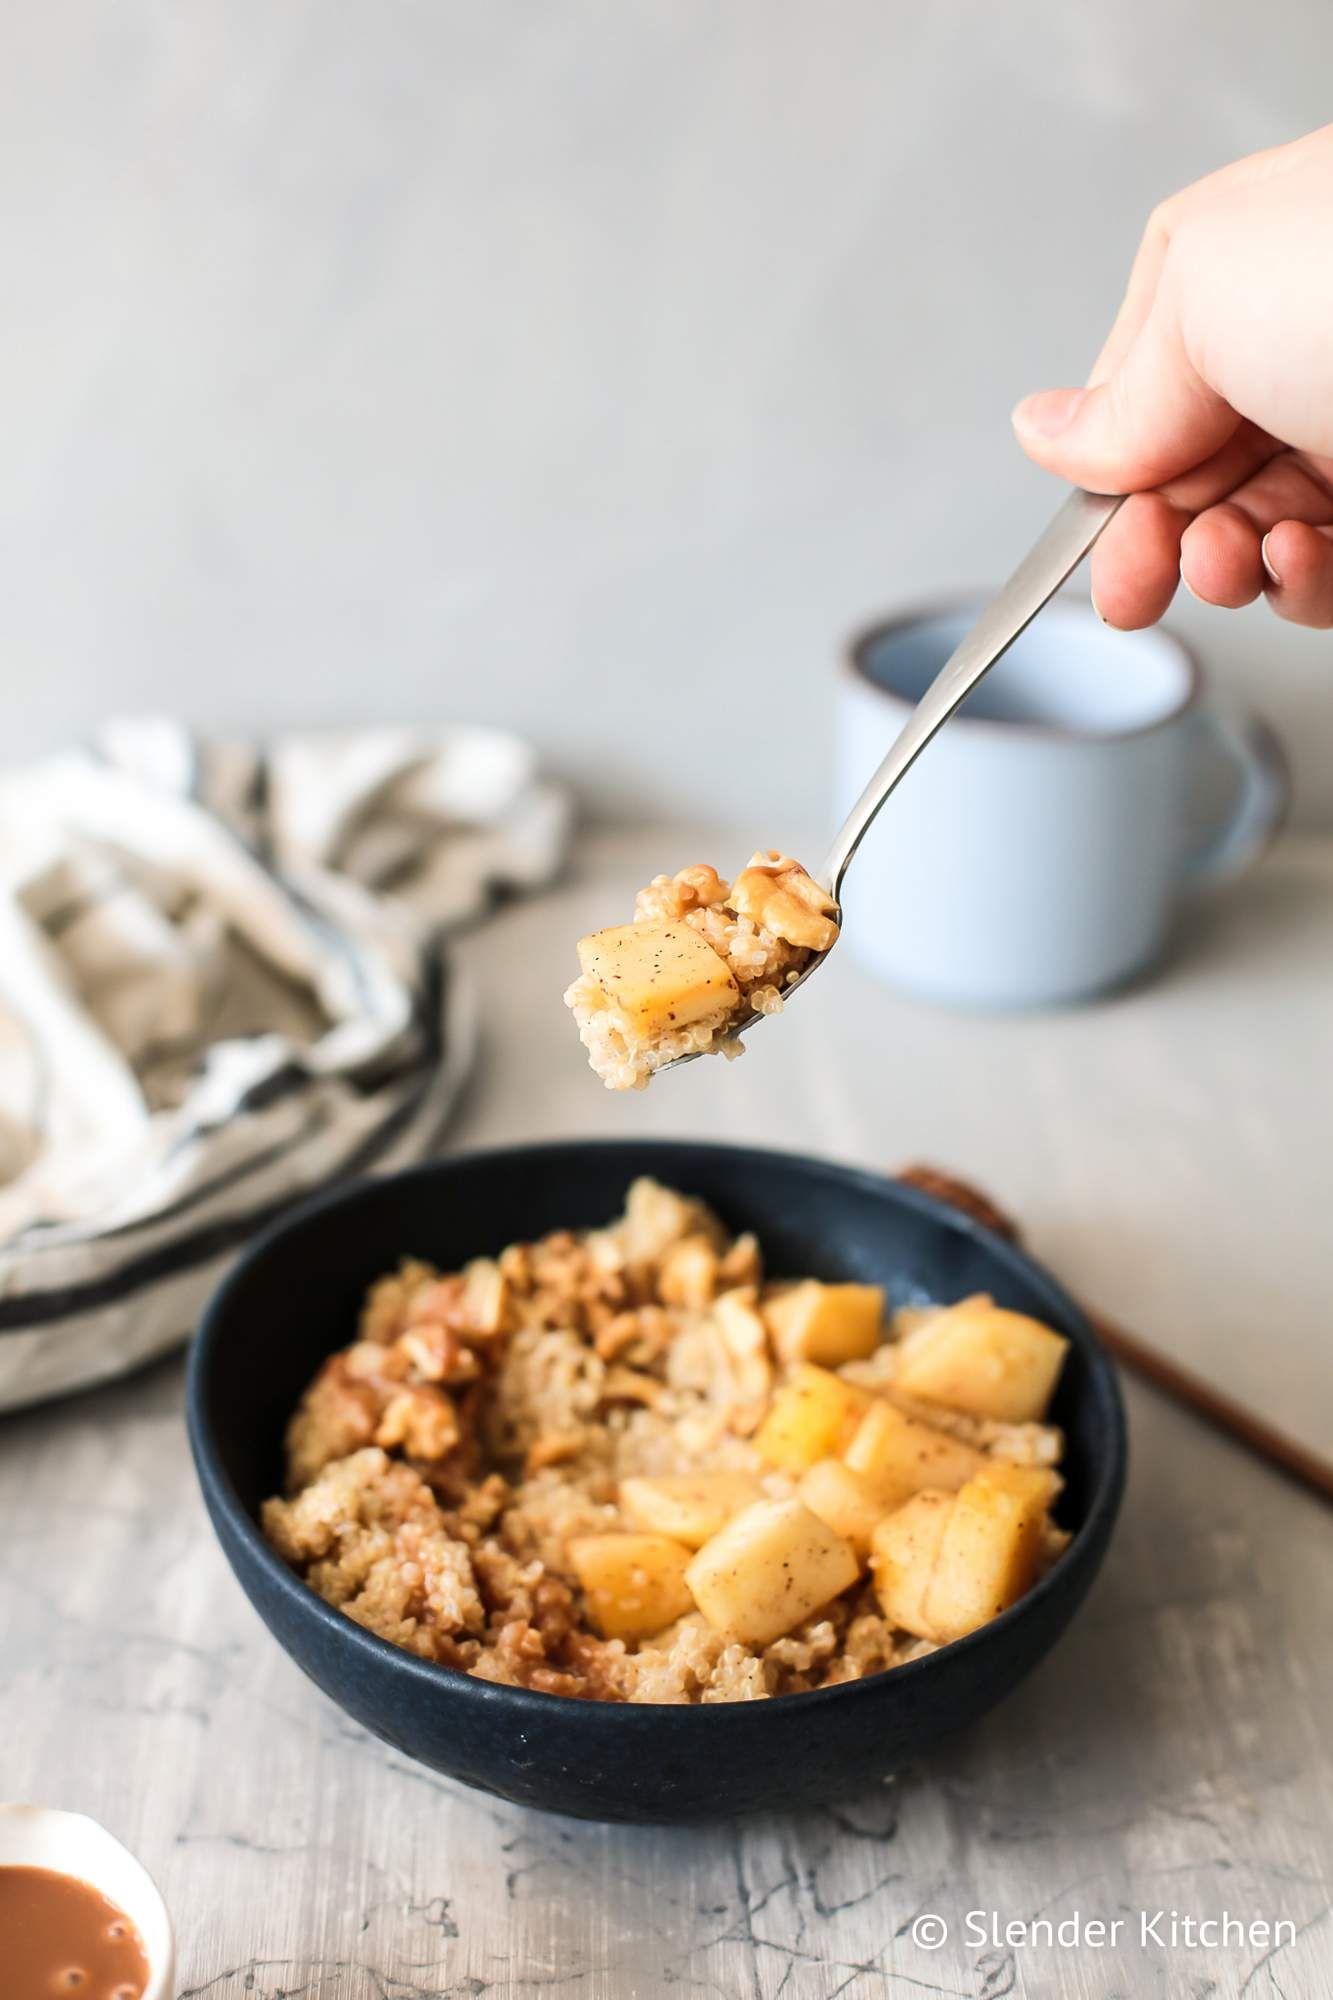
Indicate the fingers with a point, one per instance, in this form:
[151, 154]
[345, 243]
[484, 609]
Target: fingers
[1221, 552]
[1208, 528]
[1220, 562]
[1223, 557]
[1225, 475]
[1136, 563]
[1153, 418]
[1298, 564]
[1287, 488]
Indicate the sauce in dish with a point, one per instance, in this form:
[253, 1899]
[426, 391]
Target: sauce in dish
[64, 1937]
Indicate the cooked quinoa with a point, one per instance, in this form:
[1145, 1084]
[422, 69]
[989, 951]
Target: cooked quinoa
[439, 1468]
[765, 927]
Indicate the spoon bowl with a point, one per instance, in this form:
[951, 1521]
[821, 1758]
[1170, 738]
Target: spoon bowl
[1052, 559]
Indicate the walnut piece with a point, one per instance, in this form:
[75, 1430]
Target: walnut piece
[422, 1420]
[775, 892]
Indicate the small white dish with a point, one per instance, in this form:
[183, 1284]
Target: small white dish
[70, 1843]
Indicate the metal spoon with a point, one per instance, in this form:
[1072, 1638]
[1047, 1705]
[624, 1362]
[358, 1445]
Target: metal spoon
[1051, 560]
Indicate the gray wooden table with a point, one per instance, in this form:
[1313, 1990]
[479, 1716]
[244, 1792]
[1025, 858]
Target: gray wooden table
[1168, 1151]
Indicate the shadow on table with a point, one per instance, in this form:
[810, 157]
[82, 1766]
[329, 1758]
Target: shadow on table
[1275, 914]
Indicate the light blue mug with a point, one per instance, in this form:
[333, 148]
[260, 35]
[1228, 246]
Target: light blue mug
[1039, 849]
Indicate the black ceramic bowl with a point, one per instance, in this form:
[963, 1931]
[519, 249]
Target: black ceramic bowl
[293, 1298]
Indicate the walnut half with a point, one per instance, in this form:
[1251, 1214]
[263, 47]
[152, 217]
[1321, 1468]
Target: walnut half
[775, 892]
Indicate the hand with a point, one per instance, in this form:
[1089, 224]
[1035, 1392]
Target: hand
[1212, 400]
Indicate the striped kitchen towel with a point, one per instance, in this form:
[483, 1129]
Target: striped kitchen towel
[224, 983]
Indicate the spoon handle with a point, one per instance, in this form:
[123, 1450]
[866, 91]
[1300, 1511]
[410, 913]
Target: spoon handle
[1053, 558]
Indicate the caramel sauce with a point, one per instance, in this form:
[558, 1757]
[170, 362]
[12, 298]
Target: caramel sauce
[61, 1939]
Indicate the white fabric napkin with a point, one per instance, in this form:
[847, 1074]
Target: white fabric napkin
[223, 984]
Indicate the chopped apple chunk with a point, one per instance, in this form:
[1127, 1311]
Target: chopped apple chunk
[811, 1417]
[988, 1555]
[658, 976]
[980, 1358]
[634, 1585]
[1039, 1484]
[687, 1275]
[768, 1570]
[851, 1505]
[903, 1553]
[739, 1322]
[829, 1324]
[745, 1338]
[648, 993]
[899, 1456]
[658, 1221]
[691, 1507]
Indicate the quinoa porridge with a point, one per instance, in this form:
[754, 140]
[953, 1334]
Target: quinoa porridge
[626, 1465]
[701, 957]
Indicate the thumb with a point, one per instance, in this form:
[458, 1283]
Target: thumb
[1153, 417]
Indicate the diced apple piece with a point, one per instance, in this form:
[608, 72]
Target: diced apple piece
[988, 1557]
[658, 976]
[743, 1331]
[656, 1219]
[745, 1338]
[829, 1324]
[811, 1417]
[485, 1295]
[850, 1504]
[634, 1584]
[690, 1507]
[900, 1457]
[687, 1275]
[903, 1552]
[1039, 1484]
[910, 1320]
[985, 1360]
[768, 1570]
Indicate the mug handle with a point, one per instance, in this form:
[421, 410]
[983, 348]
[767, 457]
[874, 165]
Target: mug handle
[1263, 795]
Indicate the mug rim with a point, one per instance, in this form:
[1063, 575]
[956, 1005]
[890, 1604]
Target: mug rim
[860, 642]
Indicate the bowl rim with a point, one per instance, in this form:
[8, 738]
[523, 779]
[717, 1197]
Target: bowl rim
[220, 1492]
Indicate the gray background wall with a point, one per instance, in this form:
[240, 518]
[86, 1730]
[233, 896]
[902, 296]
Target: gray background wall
[589, 365]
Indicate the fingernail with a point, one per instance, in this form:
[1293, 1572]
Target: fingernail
[1092, 599]
[1049, 412]
[1267, 562]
